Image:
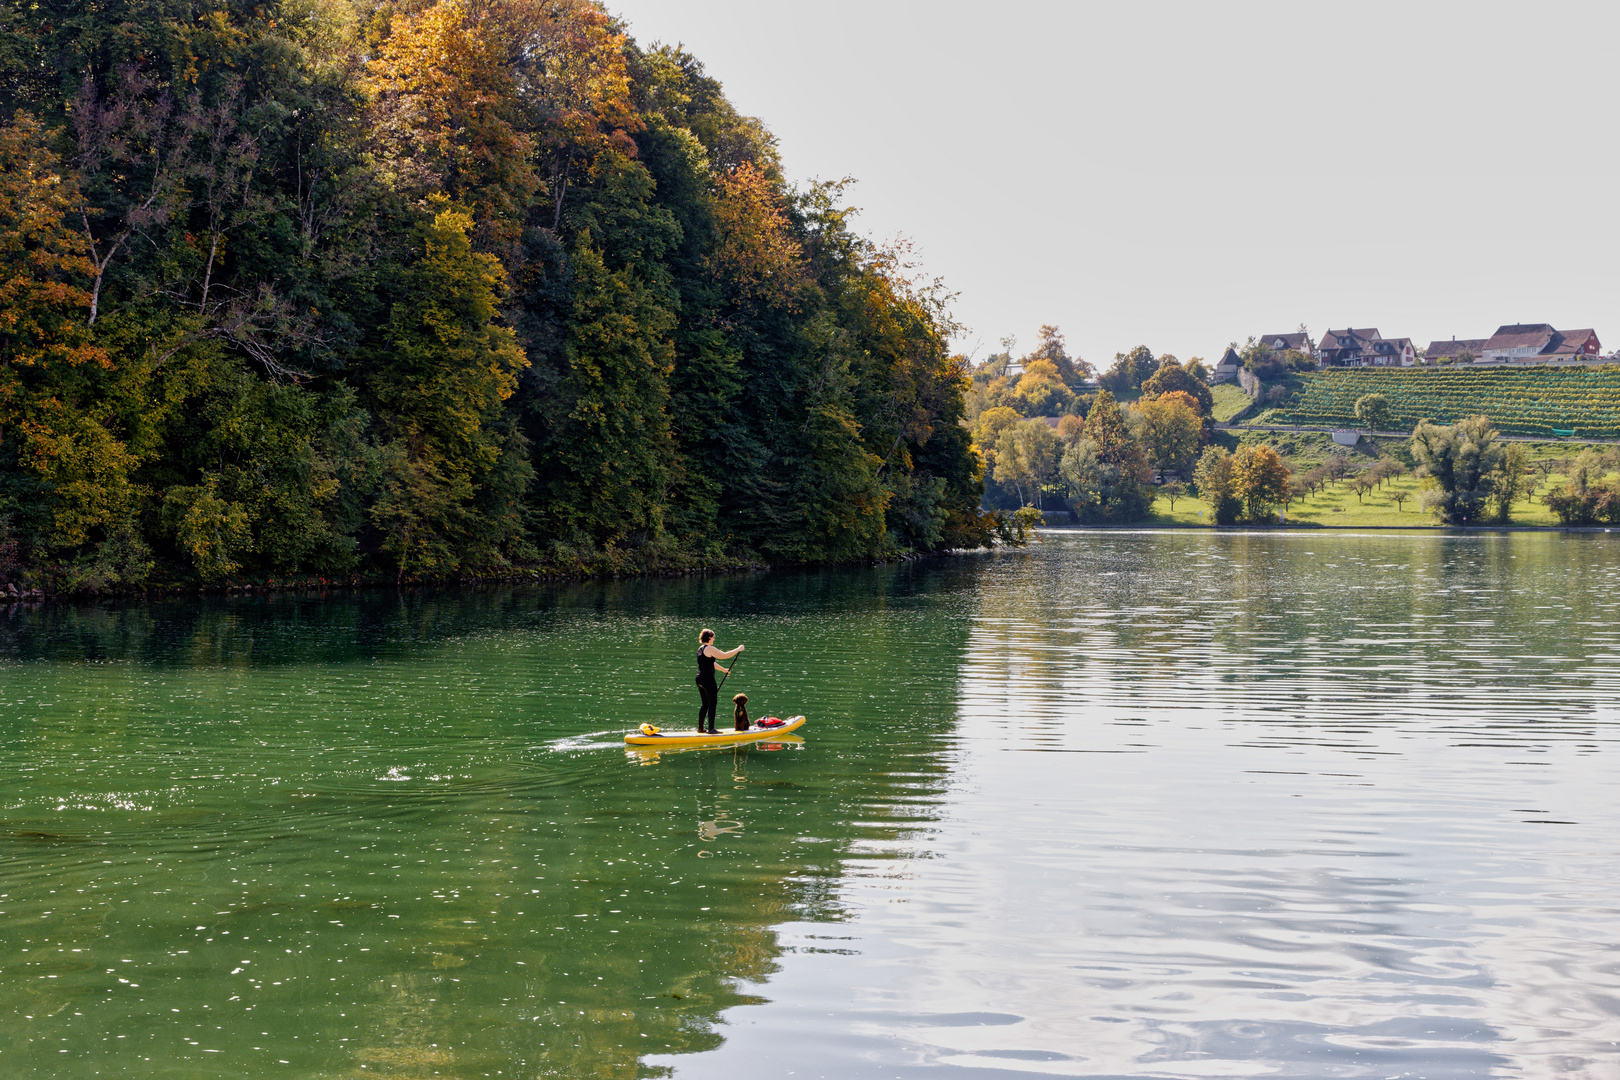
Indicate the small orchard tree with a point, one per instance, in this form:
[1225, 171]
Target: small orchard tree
[1174, 490]
[1299, 487]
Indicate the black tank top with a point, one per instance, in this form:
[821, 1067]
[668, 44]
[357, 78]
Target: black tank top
[705, 676]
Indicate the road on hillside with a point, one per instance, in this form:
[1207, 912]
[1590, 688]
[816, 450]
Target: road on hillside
[1403, 434]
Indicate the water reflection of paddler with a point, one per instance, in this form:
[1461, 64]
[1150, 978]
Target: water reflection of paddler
[708, 653]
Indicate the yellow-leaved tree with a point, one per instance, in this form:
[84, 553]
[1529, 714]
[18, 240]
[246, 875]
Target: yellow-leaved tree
[1169, 427]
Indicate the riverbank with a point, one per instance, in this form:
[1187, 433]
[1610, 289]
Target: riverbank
[605, 567]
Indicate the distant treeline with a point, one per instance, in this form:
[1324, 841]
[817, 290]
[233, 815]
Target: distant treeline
[1047, 436]
[316, 287]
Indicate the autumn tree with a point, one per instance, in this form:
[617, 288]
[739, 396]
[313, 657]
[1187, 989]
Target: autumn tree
[1069, 429]
[1261, 480]
[1027, 455]
[78, 498]
[755, 257]
[467, 95]
[1039, 391]
[986, 433]
[1187, 378]
[1051, 347]
[1106, 471]
[1169, 430]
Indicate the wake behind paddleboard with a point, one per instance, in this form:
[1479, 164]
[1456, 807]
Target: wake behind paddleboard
[720, 738]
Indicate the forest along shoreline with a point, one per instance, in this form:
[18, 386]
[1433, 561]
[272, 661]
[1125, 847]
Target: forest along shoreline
[356, 293]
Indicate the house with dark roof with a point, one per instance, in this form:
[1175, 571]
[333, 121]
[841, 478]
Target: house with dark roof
[1395, 352]
[1449, 350]
[1300, 342]
[1579, 344]
[1539, 341]
[1227, 368]
[1364, 348]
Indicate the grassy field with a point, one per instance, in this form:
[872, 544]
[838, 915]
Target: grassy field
[1519, 401]
[1338, 505]
[1229, 401]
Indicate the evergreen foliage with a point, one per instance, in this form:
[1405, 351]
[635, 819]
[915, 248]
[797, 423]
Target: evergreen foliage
[438, 289]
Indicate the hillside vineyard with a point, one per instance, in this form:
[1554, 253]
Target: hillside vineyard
[1584, 402]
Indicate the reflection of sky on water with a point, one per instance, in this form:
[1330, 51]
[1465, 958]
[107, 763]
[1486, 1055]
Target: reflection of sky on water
[1246, 806]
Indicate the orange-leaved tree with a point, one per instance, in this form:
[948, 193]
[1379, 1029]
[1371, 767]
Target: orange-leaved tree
[755, 257]
[573, 79]
[1261, 480]
[52, 407]
[448, 117]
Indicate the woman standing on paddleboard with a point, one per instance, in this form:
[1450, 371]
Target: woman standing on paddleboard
[707, 655]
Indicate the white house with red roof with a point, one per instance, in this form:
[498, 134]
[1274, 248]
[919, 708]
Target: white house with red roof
[1540, 342]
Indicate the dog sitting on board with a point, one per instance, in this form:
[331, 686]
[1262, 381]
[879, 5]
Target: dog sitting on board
[740, 714]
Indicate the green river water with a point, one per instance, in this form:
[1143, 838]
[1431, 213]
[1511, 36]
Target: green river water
[1174, 804]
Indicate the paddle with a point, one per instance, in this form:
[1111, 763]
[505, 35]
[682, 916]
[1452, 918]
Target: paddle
[733, 667]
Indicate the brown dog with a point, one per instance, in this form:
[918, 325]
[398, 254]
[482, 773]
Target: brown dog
[741, 713]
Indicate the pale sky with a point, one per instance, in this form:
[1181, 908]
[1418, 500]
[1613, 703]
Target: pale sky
[1181, 175]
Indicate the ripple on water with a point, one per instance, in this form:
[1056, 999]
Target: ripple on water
[1149, 805]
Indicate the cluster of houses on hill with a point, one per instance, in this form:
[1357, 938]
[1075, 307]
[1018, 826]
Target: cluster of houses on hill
[1350, 347]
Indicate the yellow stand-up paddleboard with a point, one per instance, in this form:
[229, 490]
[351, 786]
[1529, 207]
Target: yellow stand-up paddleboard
[722, 738]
